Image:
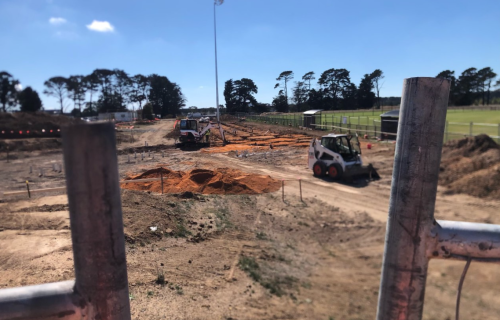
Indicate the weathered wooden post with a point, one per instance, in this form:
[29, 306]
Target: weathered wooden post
[413, 195]
[300, 188]
[28, 187]
[100, 290]
[161, 175]
[283, 190]
[95, 208]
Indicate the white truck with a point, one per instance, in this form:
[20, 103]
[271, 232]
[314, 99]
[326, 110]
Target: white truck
[338, 156]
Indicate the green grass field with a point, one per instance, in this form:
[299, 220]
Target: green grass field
[458, 121]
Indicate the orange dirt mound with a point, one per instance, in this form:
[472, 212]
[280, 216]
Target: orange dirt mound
[471, 166]
[218, 181]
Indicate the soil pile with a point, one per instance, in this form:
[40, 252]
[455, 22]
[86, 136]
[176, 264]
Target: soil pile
[218, 181]
[471, 166]
[176, 132]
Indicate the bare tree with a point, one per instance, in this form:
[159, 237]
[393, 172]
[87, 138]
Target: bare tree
[486, 77]
[57, 87]
[308, 77]
[284, 77]
[376, 76]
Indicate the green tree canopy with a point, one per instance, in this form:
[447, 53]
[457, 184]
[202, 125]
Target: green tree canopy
[8, 91]
[29, 100]
[165, 96]
[239, 95]
[334, 81]
[147, 112]
[280, 104]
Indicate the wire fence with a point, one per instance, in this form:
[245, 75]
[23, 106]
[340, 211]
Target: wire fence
[371, 125]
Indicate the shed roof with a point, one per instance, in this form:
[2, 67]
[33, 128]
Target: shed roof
[391, 114]
[313, 111]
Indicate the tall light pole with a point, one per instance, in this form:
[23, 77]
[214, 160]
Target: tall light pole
[216, 3]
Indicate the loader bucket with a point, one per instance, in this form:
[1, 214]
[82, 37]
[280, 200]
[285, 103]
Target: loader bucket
[368, 172]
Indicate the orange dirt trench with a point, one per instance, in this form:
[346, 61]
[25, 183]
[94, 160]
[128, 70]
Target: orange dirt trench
[218, 181]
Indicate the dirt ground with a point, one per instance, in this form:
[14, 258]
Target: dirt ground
[238, 256]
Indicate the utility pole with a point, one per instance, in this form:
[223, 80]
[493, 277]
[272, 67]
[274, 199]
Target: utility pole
[216, 3]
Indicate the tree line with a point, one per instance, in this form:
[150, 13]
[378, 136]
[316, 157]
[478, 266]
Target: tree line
[11, 96]
[334, 91]
[471, 86]
[101, 91]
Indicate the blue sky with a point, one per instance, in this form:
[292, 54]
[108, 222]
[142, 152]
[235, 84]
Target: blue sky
[257, 39]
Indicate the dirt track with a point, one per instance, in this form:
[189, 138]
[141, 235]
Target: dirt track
[323, 256]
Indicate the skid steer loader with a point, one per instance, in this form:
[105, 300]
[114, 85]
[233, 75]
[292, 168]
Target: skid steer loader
[339, 157]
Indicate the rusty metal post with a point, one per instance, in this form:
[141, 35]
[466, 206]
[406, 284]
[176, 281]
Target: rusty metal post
[413, 195]
[96, 219]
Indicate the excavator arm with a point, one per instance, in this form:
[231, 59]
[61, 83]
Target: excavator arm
[212, 126]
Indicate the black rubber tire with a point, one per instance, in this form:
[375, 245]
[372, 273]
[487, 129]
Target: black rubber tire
[335, 171]
[319, 169]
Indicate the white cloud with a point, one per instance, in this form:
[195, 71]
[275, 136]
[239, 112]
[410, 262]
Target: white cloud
[101, 26]
[19, 87]
[201, 87]
[57, 21]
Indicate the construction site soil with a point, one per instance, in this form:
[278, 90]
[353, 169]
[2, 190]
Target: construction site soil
[471, 166]
[204, 181]
[248, 256]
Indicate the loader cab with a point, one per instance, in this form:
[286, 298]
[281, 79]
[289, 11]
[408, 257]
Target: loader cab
[347, 147]
[188, 124]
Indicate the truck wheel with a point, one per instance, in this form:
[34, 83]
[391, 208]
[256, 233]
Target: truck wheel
[335, 171]
[319, 169]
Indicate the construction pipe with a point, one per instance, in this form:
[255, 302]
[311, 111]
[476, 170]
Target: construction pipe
[461, 240]
[413, 195]
[46, 301]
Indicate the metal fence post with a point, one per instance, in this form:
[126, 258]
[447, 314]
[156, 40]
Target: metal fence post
[470, 129]
[96, 219]
[413, 195]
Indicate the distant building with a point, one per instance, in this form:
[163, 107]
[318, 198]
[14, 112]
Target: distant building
[125, 116]
[310, 118]
[389, 124]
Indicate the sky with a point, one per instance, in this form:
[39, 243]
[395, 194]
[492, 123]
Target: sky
[256, 39]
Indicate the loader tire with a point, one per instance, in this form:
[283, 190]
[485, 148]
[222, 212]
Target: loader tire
[335, 171]
[319, 169]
